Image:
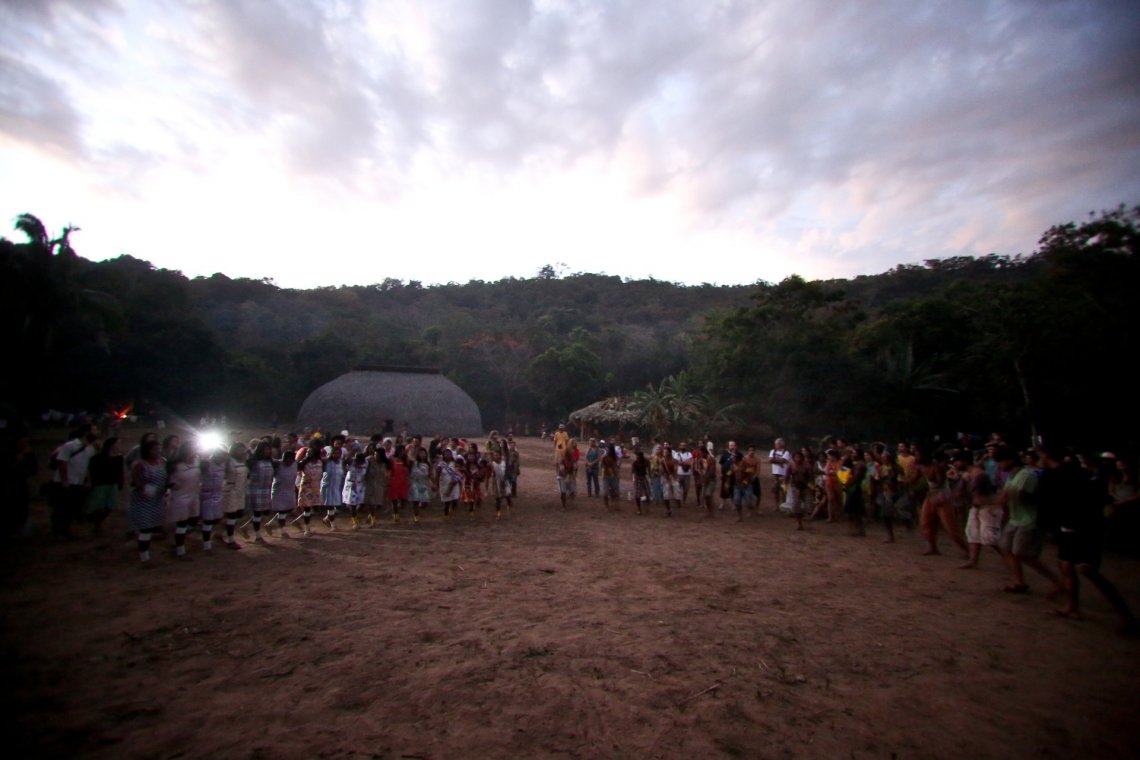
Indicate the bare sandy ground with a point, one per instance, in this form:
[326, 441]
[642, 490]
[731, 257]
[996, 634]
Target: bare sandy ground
[553, 633]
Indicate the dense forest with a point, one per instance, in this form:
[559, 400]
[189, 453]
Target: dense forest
[1027, 345]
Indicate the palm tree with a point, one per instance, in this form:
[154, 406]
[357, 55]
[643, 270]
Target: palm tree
[672, 407]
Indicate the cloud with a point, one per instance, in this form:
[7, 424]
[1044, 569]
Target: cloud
[831, 137]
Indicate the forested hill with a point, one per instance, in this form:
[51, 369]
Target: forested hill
[972, 343]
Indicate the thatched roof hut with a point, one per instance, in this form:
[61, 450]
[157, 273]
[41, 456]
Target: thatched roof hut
[615, 409]
[389, 399]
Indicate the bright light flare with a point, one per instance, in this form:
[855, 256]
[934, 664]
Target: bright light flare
[209, 440]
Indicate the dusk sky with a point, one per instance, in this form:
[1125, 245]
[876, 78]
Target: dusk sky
[328, 142]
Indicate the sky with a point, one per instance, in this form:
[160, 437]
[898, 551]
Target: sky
[330, 142]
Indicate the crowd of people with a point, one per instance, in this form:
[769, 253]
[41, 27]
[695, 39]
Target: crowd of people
[988, 495]
[979, 494]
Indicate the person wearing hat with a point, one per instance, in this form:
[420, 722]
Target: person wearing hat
[684, 459]
[561, 442]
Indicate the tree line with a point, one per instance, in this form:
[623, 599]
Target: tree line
[1036, 344]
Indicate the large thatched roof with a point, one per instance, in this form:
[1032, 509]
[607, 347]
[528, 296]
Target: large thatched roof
[613, 409]
[379, 399]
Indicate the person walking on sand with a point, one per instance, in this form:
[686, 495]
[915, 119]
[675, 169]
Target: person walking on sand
[939, 508]
[983, 524]
[1022, 539]
[1066, 492]
[640, 472]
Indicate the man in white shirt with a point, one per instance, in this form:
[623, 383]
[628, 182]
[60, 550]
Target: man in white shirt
[684, 459]
[69, 479]
[779, 457]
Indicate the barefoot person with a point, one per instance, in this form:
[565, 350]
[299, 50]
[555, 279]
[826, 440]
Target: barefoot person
[210, 494]
[611, 475]
[1022, 540]
[938, 508]
[312, 469]
[1066, 492]
[233, 492]
[283, 492]
[184, 480]
[566, 474]
[259, 486]
[419, 483]
[797, 477]
[352, 494]
[983, 525]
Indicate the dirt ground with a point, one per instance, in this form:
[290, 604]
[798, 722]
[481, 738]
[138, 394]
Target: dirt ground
[578, 633]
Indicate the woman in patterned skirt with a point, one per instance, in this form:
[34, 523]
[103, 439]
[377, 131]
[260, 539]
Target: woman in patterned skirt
[376, 481]
[259, 486]
[419, 483]
[233, 492]
[312, 469]
[211, 493]
[148, 484]
[283, 492]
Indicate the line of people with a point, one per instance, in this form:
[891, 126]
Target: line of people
[201, 486]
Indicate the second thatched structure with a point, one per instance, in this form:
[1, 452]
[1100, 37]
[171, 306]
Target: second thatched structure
[392, 399]
[613, 410]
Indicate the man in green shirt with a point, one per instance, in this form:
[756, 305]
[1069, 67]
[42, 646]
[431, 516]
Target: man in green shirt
[1022, 541]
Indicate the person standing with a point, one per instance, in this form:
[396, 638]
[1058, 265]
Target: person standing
[312, 469]
[211, 494]
[148, 484]
[233, 491]
[779, 457]
[561, 441]
[283, 492]
[798, 482]
[259, 488]
[611, 475]
[332, 481]
[398, 485]
[107, 477]
[727, 485]
[69, 479]
[184, 480]
[567, 476]
[419, 483]
[593, 464]
[684, 459]
[355, 480]
[376, 480]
